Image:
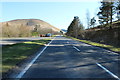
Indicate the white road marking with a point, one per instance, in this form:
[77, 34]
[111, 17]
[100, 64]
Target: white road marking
[108, 71]
[67, 42]
[76, 48]
[27, 67]
[56, 45]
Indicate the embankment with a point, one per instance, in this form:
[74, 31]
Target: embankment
[105, 36]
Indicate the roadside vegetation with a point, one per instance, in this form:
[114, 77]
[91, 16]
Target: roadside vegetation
[15, 31]
[12, 55]
[109, 47]
[106, 33]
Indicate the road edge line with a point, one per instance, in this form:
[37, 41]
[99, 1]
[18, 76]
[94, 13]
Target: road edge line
[35, 58]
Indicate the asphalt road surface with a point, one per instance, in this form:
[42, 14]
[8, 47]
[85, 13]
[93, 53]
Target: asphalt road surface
[67, 58]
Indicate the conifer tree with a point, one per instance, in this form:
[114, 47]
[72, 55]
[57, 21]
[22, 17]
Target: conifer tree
[74, 27]
[118, 9]
[107, 10]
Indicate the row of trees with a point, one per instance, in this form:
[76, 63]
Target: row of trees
[106, 12]
[75, 27]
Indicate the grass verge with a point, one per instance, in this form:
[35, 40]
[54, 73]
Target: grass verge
[14, 54]
[112, 48]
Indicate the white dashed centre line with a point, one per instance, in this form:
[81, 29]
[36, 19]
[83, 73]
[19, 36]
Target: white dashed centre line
[76, 48]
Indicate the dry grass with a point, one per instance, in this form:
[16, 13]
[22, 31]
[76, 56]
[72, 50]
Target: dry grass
[98, 44]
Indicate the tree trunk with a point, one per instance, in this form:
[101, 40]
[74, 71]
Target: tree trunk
[111, 11]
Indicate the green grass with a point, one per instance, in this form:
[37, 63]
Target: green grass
[98, 44]
[14, 54]
[53, 35]
[35, 33]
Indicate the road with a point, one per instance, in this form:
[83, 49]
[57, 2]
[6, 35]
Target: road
[67, 58]
[9, 41]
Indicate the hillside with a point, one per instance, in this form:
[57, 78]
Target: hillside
[35, 25]
[32, 23]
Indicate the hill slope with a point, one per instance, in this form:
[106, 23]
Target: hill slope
[36, 25]
[33, 23]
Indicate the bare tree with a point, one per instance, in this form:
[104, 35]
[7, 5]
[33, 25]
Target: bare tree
[88, 19]
[24, 31]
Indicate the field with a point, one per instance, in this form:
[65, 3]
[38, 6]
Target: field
[14, 54]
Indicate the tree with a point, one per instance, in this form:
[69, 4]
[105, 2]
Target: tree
[92, 21]
[9, 30]
[6, 30]
[24, 31]
[118, 9]
[36, 28]
[80, 27]
[74, 27]
[70, 29]
[88, 19]
[107, 10]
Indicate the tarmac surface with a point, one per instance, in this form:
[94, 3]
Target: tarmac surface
[67, 58]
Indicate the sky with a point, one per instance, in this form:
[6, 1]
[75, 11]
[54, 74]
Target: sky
[58, 14]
